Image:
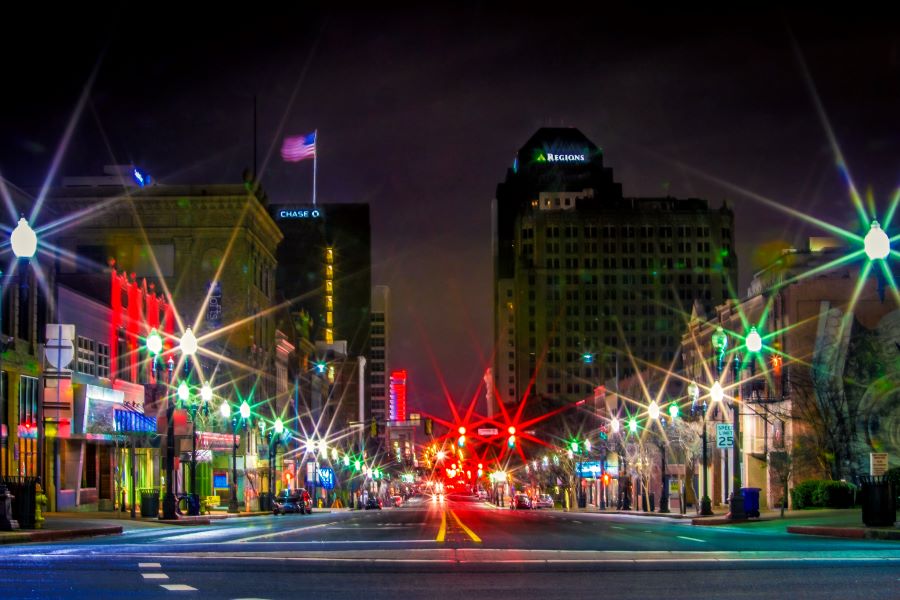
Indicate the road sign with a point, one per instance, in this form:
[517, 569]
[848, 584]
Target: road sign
[674, 488]
[878, 463]
[486, 431]
[724, 435]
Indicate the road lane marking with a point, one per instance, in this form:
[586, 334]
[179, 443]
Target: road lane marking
[178, 587]
[154, 576]
[616, 527]
[468, 531]
[148, 565]
[684, 537]
[279, 533]
[442, 532]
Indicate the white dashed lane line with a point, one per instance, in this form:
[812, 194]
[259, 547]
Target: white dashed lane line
[154, 576]
[179, 587]
[684, 537]
[148, 565]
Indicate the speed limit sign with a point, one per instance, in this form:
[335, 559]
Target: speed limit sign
[724, 435]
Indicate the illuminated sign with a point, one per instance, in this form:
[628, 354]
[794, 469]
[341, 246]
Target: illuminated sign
[326, 477]
[568, 156]
[299, 213]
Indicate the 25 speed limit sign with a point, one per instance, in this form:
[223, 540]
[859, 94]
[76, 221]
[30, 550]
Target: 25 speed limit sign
[724, 435]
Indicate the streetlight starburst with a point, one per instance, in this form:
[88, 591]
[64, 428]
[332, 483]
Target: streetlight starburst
[23, 240]
[877, 243]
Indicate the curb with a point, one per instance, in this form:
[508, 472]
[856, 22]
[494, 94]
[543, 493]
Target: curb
[722, 521]
[59, 534]
[856, 533]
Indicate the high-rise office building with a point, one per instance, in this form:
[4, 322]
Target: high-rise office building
[324, 280]
[379, 353]
[586, 278]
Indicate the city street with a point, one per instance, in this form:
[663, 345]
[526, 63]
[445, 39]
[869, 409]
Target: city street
[457, 548]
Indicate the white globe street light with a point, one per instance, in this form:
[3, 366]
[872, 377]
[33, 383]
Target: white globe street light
[753, 341]
[716, 392]
[188, 343]
[653, 410]
[23, 240]
[183, 392]
[877, 244]
[206, 392]
[245, 410]
[225, 410]
[615, 425]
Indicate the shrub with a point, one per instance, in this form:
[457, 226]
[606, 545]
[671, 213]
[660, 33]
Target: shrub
[822, 493]
[802, 493]
[833, 494]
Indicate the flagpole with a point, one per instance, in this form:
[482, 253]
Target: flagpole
[315, 162]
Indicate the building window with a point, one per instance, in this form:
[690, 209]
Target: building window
[102, 360]
[86, 356]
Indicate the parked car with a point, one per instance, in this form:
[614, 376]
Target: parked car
[482, 495]
[372, 502]
[397, 501]
[543, 501]
[520, 501]
[296, 501]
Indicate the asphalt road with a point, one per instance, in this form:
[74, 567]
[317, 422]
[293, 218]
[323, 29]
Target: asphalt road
[458, 548]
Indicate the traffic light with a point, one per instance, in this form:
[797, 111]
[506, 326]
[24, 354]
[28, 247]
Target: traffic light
[574, 447]
[604, 431]
[429, 426]
[632, 425]
[511, 441]
[606, 479]
[462, 437]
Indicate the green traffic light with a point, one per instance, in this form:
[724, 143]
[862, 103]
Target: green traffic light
[574, 446]
[673, 410]
[279, 426]
[632, 425]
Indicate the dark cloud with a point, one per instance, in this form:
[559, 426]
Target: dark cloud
[420, 113]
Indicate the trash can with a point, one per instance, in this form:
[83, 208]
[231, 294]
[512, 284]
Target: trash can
[751, 501]
[879, 504]
[23, 503]
[193, 502]
[150, 502]
[265, 501]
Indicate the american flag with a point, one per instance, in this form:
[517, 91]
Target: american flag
[299, 147]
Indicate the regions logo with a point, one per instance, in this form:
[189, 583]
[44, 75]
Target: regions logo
[557, 157]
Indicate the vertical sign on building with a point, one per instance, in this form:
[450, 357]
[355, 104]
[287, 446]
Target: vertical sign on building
[329, 295]
[398, 395]
[214, 307]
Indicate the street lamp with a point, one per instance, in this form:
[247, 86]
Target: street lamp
[188, 347]
[720, 342]
[193, 409]
[876, 243]
[239, 420]
[276, 435]
[23, 240]
[694, 392]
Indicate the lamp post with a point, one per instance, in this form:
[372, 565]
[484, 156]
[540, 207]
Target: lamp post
[694, 392]
[23, 241]
[720, 343]
[238, 421]
[188, 346]
[275, 436]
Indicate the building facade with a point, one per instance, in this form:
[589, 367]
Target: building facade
[380, 355]
[817, 398]
[586, 278]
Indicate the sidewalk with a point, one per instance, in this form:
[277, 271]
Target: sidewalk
[65, 526]
[846, 523]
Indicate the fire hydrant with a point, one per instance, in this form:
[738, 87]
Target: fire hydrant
[40, 504]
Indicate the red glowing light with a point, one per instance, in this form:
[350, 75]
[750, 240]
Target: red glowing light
[511, 430]
[398, 395]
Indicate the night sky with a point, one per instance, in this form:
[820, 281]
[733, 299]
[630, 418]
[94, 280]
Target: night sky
[420, 114]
